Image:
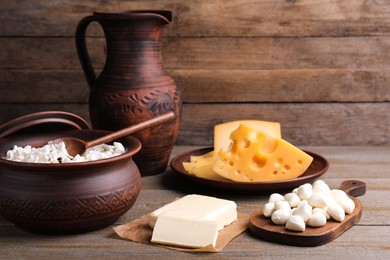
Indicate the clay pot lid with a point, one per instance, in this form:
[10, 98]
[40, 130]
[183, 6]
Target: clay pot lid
[45, 121]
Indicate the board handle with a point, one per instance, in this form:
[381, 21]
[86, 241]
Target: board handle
[353, 188]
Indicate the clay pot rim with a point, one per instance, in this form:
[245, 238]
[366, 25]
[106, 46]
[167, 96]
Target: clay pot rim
[43, 117]
[131, 149]
[165, 15]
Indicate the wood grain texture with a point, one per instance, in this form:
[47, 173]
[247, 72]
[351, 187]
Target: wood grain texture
[212, 53]
[240, 79]
[323, 64]
[295, 85]
[302, 123]
[213, 86]
[368, 239]
[334, 52]
[201, 18]
[48, 86]
[277, 53]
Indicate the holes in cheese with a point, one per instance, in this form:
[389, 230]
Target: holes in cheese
[256, 156]
[202, 166]
[222, 131]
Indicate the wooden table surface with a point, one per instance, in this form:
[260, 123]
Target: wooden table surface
[368, 239]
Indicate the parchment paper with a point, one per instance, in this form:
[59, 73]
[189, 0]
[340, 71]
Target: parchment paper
[139, 231]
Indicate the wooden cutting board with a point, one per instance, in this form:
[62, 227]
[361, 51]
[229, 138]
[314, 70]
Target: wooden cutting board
[265, 229]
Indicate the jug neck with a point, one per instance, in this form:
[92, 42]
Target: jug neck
[164, 16]
[134, 45]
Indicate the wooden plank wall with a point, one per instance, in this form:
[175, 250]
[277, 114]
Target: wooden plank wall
[321, 68]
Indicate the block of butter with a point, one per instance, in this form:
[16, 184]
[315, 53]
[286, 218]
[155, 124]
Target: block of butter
[192, 221]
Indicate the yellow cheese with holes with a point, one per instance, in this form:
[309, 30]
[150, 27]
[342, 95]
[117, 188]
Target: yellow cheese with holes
[202, 166]
[205, 171]
[257, 157]
[204, 158]
[222, 131]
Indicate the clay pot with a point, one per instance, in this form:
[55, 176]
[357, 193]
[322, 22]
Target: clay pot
[71, 197]
[133, 85]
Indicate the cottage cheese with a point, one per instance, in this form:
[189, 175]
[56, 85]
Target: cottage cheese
[56, 153]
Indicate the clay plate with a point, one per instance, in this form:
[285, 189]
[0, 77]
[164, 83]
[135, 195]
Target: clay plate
[317, 168]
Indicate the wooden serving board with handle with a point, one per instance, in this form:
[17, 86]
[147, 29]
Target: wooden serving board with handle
[265, 229]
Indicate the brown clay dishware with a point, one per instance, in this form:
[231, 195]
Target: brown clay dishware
[263, 227]
[43, 121]
[133, 85]
[317, 168]
[76, 146]
[68, 197]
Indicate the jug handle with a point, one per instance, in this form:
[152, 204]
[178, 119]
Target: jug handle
[82, 50]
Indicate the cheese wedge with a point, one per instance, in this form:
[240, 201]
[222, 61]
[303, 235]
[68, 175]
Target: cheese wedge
[200, 158]
[203, 171]
[202, 166]
[257, 157]
[222, 131]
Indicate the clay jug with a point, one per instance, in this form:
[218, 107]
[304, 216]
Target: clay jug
[133, 85]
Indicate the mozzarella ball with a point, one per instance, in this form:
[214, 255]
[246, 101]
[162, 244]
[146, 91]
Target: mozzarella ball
[317, 220]
[336, 212]
[282, 205]
[295, 223]
[292, 198]
[280, 217]
[304, 211]
[305, 191]
[268, 209]
[319, 199]
[275, 197]
[320, 186]
[341, 198]
[302, 202]
[322, 211]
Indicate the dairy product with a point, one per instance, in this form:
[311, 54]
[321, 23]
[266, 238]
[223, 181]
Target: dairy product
[202, 166]
[317, 220]
[313, 211]
[222, 131]
[173, 229]
[203, 171]
[196, 206]
[192, 221]
[280, 216]
[256, 156]
[295, 223]
[56, 153]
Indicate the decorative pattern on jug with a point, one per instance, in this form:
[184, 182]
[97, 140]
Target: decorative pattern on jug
[137, 103]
